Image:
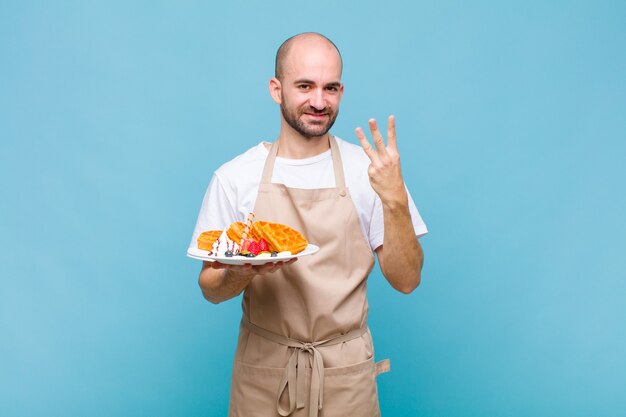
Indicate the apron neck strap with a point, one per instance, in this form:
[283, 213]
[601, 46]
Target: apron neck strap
[340, 179]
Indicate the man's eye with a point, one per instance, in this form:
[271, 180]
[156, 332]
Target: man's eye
[303, 87]
[332, 88]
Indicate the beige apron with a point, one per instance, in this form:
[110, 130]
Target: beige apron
[304, 348]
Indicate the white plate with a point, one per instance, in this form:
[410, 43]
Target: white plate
[240, 260]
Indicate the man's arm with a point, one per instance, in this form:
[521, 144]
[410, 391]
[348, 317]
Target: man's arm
[400, 255]
[220, 282]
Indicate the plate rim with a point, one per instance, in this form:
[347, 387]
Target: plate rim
[252, 261]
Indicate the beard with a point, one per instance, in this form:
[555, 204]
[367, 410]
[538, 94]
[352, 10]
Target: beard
[312, 129]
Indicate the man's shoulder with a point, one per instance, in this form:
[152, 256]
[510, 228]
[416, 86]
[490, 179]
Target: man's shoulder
[243, 164]
[351, 153]
[355, 163]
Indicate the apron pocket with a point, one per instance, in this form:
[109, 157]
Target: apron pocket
[253, 391]
[351, 391]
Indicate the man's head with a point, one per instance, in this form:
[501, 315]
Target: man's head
[307, 85]
[284, 48]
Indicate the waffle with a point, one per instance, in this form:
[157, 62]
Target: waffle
[206, 239]
[235, 232]
[279, 237]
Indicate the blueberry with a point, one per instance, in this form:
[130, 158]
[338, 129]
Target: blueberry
[228, 254]
[250, 255]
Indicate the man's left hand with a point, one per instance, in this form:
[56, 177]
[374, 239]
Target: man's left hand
[384, 171]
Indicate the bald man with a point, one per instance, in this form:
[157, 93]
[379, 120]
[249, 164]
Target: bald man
[304, 347]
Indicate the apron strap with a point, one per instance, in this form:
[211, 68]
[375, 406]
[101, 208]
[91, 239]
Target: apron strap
[293, 377]
[266, 178]
[340, 179]
[383, 366]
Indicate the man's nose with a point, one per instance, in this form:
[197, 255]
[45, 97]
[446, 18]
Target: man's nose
[317, 100]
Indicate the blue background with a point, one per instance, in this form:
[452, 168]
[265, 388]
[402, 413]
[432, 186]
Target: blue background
[511, 125]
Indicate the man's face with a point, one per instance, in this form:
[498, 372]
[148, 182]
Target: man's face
[311, 89]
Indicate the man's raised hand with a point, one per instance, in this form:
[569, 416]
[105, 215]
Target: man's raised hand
[384, 171]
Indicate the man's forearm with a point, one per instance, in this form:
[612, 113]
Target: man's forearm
[401, 255]
[220, 285]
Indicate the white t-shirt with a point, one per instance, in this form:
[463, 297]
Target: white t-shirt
[232, 191]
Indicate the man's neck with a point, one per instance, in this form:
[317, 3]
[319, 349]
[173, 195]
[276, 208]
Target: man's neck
[292, 145]
[292, 148]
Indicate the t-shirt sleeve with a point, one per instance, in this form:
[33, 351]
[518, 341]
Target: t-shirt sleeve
[377, 228]
[216, 212]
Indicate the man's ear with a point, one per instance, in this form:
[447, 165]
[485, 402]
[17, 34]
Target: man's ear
[275, 89]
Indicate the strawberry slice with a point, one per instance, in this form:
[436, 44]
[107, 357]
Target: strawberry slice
[245, 245]
[254, 248]
[263, 245]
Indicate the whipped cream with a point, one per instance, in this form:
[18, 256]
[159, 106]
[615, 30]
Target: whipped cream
[223, 244]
